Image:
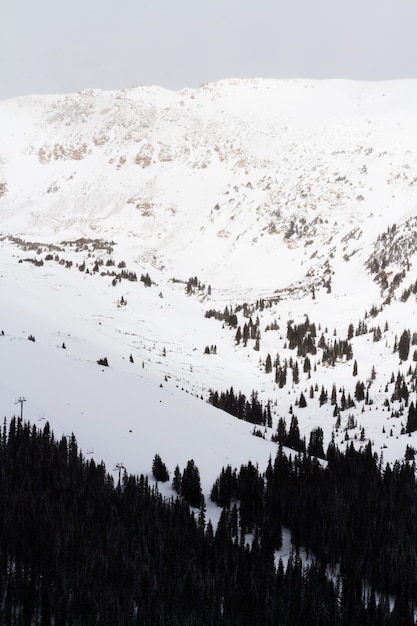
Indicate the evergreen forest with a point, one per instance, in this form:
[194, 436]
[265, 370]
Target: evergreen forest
[77, 548]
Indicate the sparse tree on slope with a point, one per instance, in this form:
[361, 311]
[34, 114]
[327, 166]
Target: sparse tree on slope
[404, 345]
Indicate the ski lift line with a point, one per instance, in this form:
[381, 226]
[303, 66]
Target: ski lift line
[40, 412]
[84, 445]
[12, 394]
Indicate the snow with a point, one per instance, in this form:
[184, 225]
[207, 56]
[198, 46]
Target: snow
[199, 183]
[125, 413]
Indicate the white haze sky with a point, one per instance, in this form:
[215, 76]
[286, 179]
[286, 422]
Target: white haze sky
[52, 46]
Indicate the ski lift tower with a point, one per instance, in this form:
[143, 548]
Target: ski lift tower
[20, 401]
[120, 467]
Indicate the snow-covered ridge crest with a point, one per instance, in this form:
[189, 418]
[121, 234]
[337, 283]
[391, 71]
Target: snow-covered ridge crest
[255, 169]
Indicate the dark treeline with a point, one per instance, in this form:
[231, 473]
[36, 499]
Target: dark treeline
[354, 514]
[76, 549]
[248, 409]
[355, 517]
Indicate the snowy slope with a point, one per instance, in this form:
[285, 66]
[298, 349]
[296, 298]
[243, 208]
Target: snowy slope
[218, 172]
[262, 189]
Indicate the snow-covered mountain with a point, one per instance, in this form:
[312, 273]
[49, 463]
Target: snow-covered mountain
[288, 202]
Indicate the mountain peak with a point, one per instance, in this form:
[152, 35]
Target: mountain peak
[237, 171]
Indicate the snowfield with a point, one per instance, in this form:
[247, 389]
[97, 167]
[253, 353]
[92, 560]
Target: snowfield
[263, 190]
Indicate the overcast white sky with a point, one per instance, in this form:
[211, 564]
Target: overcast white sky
[55, 46]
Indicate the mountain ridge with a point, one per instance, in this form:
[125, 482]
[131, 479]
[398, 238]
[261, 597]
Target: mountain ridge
[237, 164]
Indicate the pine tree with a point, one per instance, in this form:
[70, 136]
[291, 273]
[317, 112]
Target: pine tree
[176, 481]
[323, 396]
[257, 341]
[281, 430]
[245, 334]
[315, 446]
[159, 469]
[268, 364]
[295, 374]
[294, 439]
[343, 400]
[412, 419]
[404, 345]
[191, 485]
[360, 391]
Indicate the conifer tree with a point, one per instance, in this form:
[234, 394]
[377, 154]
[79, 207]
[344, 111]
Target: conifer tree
[268, 364]
[360, 391]
[294, 439]
[412, 419]
[404, 345]
[315, 446]
[323, 396]
[295, 374]
[159, 469]
[333, 397]
[191, 485]
[281, 430]
[176, 481]
[257, 341]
